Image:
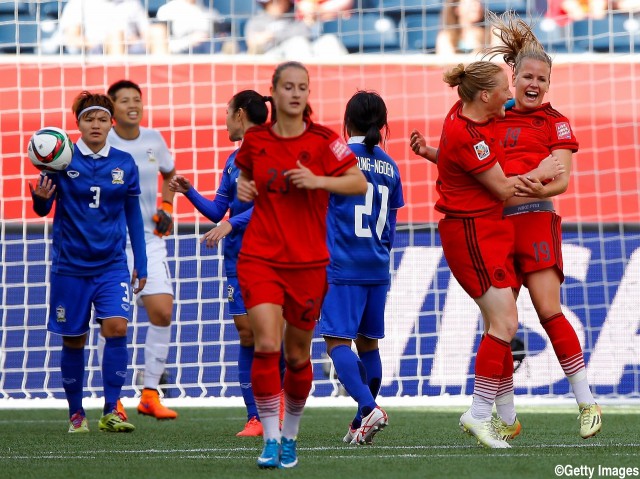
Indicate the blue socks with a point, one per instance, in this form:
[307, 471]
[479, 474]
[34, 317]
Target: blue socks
[373, 365]
[245, 359]
[353, 376]
[72, 368]
[114, 370]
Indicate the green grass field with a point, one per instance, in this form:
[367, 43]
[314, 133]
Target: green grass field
[419, 443]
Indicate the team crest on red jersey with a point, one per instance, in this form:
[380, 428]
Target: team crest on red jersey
[482, 150]
[304, 157]
[340, 149]
[563, 130]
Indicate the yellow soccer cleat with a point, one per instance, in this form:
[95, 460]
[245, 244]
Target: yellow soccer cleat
[78, 423]
[505, 431]
[483, 430]
[590, 420]
[113, 422]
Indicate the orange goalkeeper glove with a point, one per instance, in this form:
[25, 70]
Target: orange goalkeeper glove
[163, 220]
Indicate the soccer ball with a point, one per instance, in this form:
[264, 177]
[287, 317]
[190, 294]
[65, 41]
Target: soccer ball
[50, 149]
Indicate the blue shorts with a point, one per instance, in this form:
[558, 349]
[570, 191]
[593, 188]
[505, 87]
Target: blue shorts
[351, 310]
[73, 296]
[234, 297]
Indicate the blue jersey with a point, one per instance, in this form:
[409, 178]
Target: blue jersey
[360, 229]
[90, 224]
[226, 199]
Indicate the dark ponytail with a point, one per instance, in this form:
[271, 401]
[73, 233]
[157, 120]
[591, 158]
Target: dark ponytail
[366, 114]
[253, 103]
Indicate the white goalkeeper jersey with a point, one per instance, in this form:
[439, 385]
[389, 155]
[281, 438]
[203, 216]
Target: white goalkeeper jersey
[152, 156]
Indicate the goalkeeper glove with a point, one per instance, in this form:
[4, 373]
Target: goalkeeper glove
[163, 220]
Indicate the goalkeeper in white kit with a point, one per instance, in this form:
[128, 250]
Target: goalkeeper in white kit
[152, 156]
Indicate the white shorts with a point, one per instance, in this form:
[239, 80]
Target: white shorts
[158, 276]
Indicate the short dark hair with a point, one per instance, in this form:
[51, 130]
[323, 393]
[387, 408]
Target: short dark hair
[121, 84]
[87, 99]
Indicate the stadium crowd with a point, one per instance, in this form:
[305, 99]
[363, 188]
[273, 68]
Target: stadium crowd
[301, 29]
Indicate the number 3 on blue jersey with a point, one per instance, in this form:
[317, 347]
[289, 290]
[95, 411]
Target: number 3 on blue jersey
[96, 197]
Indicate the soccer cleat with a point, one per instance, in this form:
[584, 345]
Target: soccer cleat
[375, 421]
[505, 431]
[483, 430]
[253, 428]
[590, 420]
[121, 410]
[348, 437]
[270, 456]
[78, 423]
[288, 455]
[150, 405]
[113, 422]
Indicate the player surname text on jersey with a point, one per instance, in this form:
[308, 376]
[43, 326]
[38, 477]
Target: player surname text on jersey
[379, 166]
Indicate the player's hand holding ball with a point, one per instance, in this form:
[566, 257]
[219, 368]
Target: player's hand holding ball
[50, 149]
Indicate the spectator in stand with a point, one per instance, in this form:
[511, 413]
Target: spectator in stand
[564, 12]
[275, 31]
[627, 5]
[314, 11]
[190, 26]
[462, 29]
[109, 26]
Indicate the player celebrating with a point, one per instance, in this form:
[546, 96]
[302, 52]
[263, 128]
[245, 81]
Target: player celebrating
[476, 241]
[152, 156]
[360, 234]
[530, 131]
[288, 168]
[96, 202]
[246, 109]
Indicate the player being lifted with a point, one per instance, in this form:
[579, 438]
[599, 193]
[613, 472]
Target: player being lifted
[152, 156]
[96, 203]
[288, 168]
[531, 131]
[246, 109]
[360, 233]
[476, 241]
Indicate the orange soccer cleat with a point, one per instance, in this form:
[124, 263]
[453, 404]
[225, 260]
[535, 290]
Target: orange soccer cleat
[253, 428]
[150, 405]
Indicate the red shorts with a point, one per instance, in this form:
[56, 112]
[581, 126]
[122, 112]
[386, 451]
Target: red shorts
[479, 252]
[299, 291]
[538, 243]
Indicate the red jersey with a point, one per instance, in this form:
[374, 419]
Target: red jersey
[288, 224]
[529, 136]
[466, 149]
